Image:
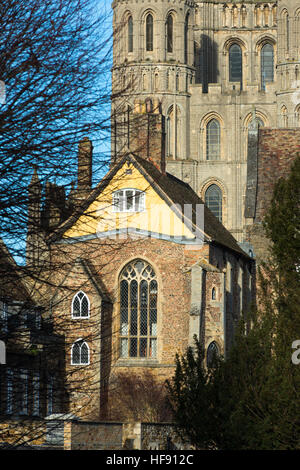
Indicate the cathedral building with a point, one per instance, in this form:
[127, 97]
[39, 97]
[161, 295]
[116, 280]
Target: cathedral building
[138, 265]
[206, 66]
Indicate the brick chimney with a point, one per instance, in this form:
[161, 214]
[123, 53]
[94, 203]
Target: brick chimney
[85, 152]
[147, 133]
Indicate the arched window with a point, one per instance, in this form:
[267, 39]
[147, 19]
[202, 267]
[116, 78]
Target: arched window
[186, 38]
[80, 353]
[130, 34]
[267, 64]
[213, 140]
[284, 116]
[173, 132]
[213, 200]
[149, 32]
[212, 354]
[80, 305]
[138, 310]
[213, 294]
[169, 33]
[235, 63]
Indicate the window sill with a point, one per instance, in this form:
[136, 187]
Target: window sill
[137, 362]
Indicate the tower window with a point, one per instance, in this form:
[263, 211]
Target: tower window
[186, 32]
[235, 63]
[138, 311]
[130, 34]
[213, 200]
[170, 33]
[213, 140]
[267, 64]
[80, 305]
[80, 353]
[149, 33]
[128, 200]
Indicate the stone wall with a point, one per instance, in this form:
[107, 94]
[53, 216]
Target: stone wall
[277, 149]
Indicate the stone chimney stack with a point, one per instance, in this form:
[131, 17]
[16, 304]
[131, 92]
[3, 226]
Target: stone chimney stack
[85, 152]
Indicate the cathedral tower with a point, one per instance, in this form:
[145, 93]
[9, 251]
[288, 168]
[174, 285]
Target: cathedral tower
[208, 67]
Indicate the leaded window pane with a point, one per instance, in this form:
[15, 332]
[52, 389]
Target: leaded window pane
[84, 354]
[76, 353]
[213, 200]
[138, 309]
[235, 63]
[80, 305]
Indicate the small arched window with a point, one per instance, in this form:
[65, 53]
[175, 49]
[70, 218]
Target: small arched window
[130, 34]
[170, 33]
[149, 32]
[80, 354]
[235, 63]
[267, 64]
[212, 354]
[138, 310]
[213, 140]
[80, 305]
[213, 200]
[213, 294]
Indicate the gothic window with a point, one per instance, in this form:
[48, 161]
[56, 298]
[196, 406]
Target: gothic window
[23, 392]
[80, 305]
[173, 130]
[36, 394]
[9, 391]
[50, 395]
[212, 354]
[80, 353]
[186, 38]
[285, 21]
[213, 294]
[170, 33]
[213, 200]
[138, 311]
[213, 140]
[149, 32]
[235, 63]
[267, 64]
[130, 34]
[129, 200]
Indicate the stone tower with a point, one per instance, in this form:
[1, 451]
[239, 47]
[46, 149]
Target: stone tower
[209, 67]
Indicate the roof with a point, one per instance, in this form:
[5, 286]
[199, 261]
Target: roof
[172, 190]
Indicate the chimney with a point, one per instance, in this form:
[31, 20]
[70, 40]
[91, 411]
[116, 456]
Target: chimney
[85, 152]
[147, 131]
[33, 220]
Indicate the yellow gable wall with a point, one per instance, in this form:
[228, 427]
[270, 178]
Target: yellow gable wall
[157, 217]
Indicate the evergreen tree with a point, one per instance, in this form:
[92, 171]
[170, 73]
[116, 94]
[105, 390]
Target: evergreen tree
[251, 400]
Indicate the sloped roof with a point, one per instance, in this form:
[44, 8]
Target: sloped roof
[172, 190]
